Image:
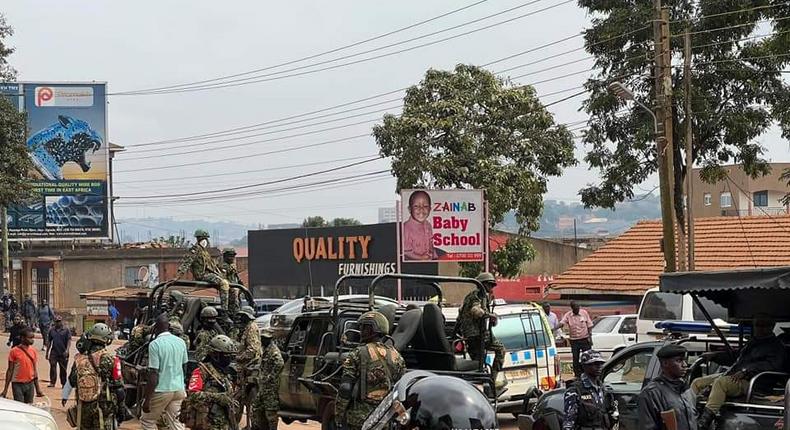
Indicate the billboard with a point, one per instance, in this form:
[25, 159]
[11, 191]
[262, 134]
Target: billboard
[291, 262]
[442, 225]
[67, 142]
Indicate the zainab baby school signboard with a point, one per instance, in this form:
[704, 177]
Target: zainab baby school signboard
[442, 225]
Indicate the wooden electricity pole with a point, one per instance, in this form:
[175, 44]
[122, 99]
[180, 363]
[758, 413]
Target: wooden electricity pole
[689, 154]
[663, 76]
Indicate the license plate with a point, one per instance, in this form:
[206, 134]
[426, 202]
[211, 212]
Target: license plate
[518, 374]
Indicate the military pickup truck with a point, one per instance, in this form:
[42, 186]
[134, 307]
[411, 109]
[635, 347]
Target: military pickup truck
[743, 293]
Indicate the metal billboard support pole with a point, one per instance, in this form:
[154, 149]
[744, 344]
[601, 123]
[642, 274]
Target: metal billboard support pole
[6, 267]
[398, 248]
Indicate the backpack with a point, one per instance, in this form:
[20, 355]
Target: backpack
[88, 378]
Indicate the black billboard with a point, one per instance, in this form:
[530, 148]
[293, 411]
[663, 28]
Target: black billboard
[294, 262]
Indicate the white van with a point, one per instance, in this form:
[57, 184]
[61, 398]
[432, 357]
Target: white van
[657, 306]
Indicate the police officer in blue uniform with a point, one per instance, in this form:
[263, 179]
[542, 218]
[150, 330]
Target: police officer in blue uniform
[588, 406]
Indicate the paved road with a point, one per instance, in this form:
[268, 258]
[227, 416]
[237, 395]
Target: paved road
[59, 412]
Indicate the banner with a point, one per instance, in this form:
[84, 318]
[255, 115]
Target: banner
[67, 142]
[442, 225]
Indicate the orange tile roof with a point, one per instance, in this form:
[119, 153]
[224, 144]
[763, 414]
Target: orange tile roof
[631, 263]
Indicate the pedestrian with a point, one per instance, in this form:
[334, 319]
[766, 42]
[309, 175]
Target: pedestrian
[29, 311]
[210, 404]
[112, 311]
[471, 324]
[579, 326]
[666, 403]
[374, 367]
[96, 374]
[58, 351]
[554, 322]
[248, 358]
[22, 374]
[15, 331]
[267, 403]
[588, 405]
[167, 355]
[45, 317]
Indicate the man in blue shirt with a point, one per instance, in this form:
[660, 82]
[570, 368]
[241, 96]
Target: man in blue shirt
[167, 358]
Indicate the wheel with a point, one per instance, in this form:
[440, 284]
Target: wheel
[328, 417]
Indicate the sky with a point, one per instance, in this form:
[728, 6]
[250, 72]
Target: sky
[152, 43]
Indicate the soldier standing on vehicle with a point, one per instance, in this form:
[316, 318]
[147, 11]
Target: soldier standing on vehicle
[267, 402]
[210, 404]
[588, 405]
[231, 273]
[208, 329]
[666, 403]
[471, 318]
[203, 267]
[369, 373]
[248, 359]
[97, 376]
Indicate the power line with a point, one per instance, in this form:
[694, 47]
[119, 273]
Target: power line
[699, 18]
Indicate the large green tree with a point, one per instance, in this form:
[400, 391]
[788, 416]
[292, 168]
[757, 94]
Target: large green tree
[740, 48]
[468, 128]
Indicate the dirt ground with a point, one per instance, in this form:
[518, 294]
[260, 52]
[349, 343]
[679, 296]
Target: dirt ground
[59, 412]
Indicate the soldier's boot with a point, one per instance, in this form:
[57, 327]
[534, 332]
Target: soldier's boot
[705, 419]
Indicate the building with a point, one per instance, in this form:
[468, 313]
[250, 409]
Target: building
[624, 268]
[740, 194]
[388, 215]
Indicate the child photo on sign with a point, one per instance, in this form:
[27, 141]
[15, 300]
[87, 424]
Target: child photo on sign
[417, 230]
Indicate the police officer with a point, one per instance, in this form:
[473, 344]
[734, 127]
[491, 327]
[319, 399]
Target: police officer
[267, 402]
[229, 271]
[471, 318]
[208, 329]
[210, 404]
[97, 376]
[587, 404]
[373, 366]
[248, 359]
[666, 403]
[203, 268]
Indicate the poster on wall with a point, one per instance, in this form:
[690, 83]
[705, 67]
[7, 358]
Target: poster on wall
[67, 143]
[442, 225]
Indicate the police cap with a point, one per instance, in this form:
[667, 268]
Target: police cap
[591, 356]
[671, 351]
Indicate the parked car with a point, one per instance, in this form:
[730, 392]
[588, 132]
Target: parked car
[21, 416]
[658, 306]
[267, 306]
[612, 333]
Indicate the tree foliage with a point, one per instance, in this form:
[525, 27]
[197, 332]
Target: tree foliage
[319, 221]
[173, 241]
[340, 222]
[314, 221]
[737, 89]
[470, 129]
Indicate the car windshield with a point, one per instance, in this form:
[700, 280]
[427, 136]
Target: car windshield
[715, 310]
[660, 306]
[519, 332]
[605, 324]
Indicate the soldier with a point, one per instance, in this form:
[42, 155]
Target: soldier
[97, 376]
[267, 402]
[474, 311]
[666, 402]
[374, 366]
[210, 404]
[138, 333]
[203, 267]
[176, 306]
[178, 330]
[231, 273]
[588, 405]
[248, 359]
[208, 329]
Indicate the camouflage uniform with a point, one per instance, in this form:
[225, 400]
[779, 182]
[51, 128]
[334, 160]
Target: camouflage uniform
[99, 414]
[231, 273]
[470, 324]
[203, 268]
[201, 343]
[216, 396]
[177, 329]
[267, 402]
[137, 337]
[249, 363]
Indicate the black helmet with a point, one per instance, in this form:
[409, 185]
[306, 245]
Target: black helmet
[434, 402]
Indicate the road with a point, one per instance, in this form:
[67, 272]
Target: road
[59, 412]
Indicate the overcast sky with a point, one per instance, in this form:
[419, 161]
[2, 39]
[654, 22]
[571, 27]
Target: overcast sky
[144, 44]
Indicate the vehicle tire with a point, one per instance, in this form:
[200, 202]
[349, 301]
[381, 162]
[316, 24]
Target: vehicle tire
[328, 417]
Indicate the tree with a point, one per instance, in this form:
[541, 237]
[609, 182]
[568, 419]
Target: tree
[314, 221]
[340, 222]
[173, 241]
[737, 90]
[785, 176]
[470, 129]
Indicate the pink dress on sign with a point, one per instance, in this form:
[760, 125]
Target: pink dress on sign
[417, 240]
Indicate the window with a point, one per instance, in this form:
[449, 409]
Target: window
[605, 325]
[761, 198]
[715, 310]
[297, 339]
[725, 200]
[628, 326]
[629, 371]
[516, 332]
[706, 199]
[659, 306]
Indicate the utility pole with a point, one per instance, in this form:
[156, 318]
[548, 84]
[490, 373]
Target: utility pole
[689, 153]
[6, 267]
[663, 76]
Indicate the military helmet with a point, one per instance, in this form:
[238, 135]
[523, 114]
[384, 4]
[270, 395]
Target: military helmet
[228, 251]
[177, 295]
[591, 356]
[209, 312]
[200, 234]
[246, 311]
[222, 344]
[485, 277]
[176, 328]
[100, 332]
[379, 322]
[446, 402]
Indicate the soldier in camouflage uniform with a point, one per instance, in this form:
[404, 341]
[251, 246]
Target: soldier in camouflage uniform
[208, 329]
[228, 270]
[203, 267]
[176, 305]
[248, 360]
[138, 333]
[210, 403]
[178, 330]
[99, 414]
[267, 402]
[369, 373]
[471, 318]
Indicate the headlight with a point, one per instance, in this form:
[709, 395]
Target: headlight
[41, 422]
